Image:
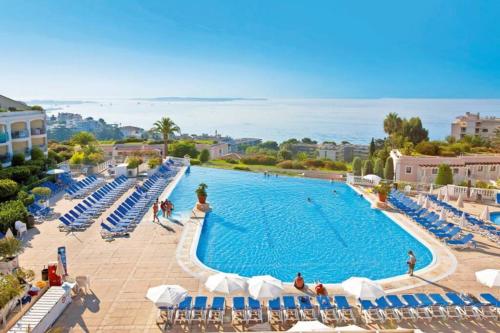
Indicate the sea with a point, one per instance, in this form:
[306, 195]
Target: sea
[353, 120]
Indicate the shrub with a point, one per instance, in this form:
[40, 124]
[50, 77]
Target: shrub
[444, 175]
[367, 167]
[356, 166]
[37, 154]
[195, 161]
[134, 162]
[77, 157]
[389, 169]
[259, 160]
[336, 165]
[8, 188]
[481, 184]
[154, 162]
[204, 156]
[18, 159]
[10, 247]
[241, 168]
[10, 287]
[311, 163]
[428, 148]
[291, 165]
[182, 148]
[231, 161]
[378, 169]
[284, 154]
[55, 156]
[83, 138]
[19, 174]
[26, 198]
[43, 192]
[10, 212]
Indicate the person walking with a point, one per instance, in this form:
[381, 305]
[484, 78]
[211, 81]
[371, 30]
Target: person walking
[412, 260]
[163, 207]
[155, 212]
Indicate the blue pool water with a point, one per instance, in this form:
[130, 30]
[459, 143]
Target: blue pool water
[262, 225]
[495, 217]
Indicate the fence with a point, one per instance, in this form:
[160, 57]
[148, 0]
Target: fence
[358, 180]
[454, 191]
[84, 169]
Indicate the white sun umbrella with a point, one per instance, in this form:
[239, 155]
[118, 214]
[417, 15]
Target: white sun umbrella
[463, 220]
[420, 200]
[460, 201]
[427, 203]
[310, 326]
[446, 197]
[373, 178]
[166, 295]
[60, 267]
[431, 188]
[9, 233]
[264, 287]
[56, 171]
[442, 215]
[489, 277]
[226, 283]
[485, 215]
[440, 196]
[363, 288]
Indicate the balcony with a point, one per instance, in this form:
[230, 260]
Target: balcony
[4, 137]
[38, 131]
[5, 158]
[20, 134]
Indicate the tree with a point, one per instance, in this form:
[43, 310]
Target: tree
[378, 169]
[356, 166]
[389, 169]
[166, 127]
[204, 156]
[183, 148]
[83, 138]
[367, 167]
[273, 145]
[284, 154]
[428, 148]
[134, 163]
[37, 154]
[444, 175]
[414, 131]
[18, 159]
[10, 212]
[309, 141]
[372, 147]
[393, 123]
[302, 156]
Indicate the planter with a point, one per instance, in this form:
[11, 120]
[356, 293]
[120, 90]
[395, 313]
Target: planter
[202, 199]
[6, 267]
[382, 197]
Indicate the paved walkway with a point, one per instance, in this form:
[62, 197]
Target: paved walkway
[121, 271]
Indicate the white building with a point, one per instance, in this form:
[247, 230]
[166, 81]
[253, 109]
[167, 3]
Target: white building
[132, 132]
[343, 152]
[216, 150]
[20, 131]
[472, 124]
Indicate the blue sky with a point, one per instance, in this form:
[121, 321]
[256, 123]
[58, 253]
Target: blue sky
[301, 49]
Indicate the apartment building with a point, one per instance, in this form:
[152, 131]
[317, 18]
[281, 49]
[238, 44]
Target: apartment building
[472, 124]
[343, 152]
[20, 131]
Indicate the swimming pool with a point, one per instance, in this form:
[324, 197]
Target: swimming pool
[266, 225]
[495, 217]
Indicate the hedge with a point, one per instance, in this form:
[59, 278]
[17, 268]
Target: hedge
[19, 173]
[259, 160]
[194, 161]
[10, 212]
[8, 188]
[291, 165]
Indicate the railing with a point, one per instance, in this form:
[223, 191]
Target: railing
[5, 158]
[454, 191]
[20, 134]
[38, 131]
[358, 180]
[4, 137]
[84, 169]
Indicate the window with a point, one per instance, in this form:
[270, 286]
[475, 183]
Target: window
[493, 168]
[485, 130]
[463, 129]
[434, 171]
[480, 168]
[408, 169]
[455, 171]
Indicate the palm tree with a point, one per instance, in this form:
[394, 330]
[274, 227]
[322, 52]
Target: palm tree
[392, 123]
[166, 127]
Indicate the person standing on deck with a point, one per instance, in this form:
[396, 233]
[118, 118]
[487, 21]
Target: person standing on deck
[155, 212]
[412, 260]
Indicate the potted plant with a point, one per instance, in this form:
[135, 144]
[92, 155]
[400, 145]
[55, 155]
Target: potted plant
[201, 192]
[10, 247]
[382, 190]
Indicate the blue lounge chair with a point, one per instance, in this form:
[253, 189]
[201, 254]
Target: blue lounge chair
[370, 312]
[199, 309]
[464, 242]
[471, 311]
[485, 310]
[238, 310]
[492, 300]
[274, 310]
[254, 310]
[405, 311]
[437, 311]
[305, 308]
[326, 309]
[290, 311]
[388, 310]
[450, 234]
[422, 311]
[216, 311]
[452, 310]
[345, 311]
[183, 310]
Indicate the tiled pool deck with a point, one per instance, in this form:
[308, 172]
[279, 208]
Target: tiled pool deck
[121, 271]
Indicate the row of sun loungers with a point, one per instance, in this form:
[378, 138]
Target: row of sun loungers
[83, 187]
[336, 309]
[131, 211]
[448, 232]
[485, 229]
[82, 215]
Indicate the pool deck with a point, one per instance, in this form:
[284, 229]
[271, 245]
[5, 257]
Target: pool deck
[121, 271]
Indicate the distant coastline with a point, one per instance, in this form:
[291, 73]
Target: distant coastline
[198, 99]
